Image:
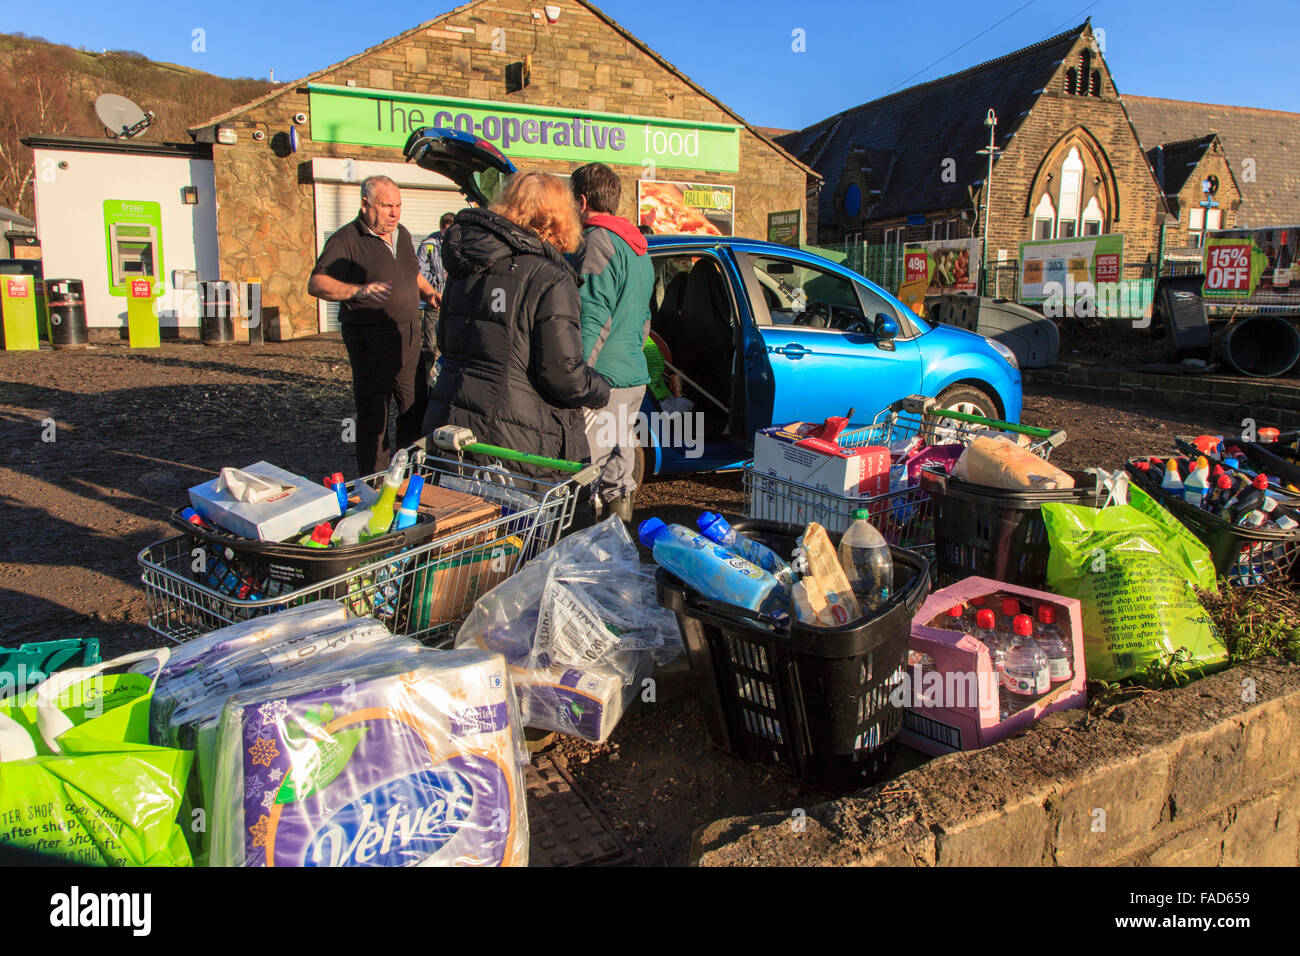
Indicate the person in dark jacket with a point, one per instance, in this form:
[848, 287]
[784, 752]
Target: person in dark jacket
[513, 369]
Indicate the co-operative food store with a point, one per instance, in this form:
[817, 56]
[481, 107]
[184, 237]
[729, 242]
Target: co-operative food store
[554, 86]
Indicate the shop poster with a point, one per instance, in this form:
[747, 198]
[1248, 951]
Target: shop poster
[685, 209]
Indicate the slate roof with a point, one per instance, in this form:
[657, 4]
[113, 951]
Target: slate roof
[1179, 159]
[927, 124]
[1270, 137]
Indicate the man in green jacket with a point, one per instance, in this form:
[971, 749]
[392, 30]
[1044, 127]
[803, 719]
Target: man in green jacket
[617, 283]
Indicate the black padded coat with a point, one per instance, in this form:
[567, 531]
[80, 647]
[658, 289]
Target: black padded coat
[512, 367]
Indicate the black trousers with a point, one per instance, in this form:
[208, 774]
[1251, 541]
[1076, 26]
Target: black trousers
[385, 363]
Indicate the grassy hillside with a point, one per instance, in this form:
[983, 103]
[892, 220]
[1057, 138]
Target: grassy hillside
[50, 89]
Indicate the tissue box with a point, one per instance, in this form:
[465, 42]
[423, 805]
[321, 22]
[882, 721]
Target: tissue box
[964, 714]
[821, 465]
[307, 505]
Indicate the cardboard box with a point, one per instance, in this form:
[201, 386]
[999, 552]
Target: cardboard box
[445, 591]
[453, 511]
[821, 465]
[278, 519]
[963, 715]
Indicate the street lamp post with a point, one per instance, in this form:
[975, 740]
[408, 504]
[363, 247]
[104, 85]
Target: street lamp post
[991, 121]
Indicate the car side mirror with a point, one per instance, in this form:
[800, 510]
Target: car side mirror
[886, 330]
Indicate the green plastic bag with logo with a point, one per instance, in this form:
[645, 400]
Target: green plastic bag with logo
[1135, 570]
[78, 777]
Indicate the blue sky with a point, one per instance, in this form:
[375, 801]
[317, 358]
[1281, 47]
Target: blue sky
[1243, 53]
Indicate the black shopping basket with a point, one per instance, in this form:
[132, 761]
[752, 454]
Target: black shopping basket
[814, 701]
[996, 533]
[1246, 557]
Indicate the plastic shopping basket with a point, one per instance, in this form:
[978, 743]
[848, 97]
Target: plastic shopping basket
[996, 533]
[813, 701]
[1247, 557]
[423, 590]
[904, 516]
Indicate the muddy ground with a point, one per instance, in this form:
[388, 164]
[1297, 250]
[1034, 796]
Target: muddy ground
[99, 445]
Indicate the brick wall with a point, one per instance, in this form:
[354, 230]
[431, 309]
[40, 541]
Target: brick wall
[266, 218]
[1205, 775]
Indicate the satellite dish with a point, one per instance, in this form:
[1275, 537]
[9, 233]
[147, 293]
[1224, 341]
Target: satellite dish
[121, 118]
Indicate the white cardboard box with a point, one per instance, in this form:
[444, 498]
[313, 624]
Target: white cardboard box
[820, 465]
[307, 505]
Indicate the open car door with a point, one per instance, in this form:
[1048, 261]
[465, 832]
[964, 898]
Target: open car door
[475, 165]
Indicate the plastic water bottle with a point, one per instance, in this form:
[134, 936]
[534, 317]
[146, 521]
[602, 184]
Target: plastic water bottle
[1060, 656]
[953, 619]
[973, 608]
[1028, 677]
[718, 530]
[710, 568]
[383, 511]
[986, 633]
[1009, 610]
[865, 558]
[408, 514]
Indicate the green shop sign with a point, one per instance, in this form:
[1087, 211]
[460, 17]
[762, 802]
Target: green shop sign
[345, 114]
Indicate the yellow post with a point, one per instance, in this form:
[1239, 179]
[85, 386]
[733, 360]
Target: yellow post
[18, 311]
[141, 319]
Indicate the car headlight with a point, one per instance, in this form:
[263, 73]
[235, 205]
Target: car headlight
[1005, 352]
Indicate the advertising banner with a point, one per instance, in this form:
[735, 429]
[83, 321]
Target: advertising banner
[1252, 266]
[783, 227]
[365, 117]
[689, 209]
[1068, 263]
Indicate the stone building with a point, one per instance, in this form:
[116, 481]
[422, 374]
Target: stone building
[288, 165]
[1192, 174]
[907, 167]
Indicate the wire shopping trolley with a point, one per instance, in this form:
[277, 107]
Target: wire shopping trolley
[903, 514]
[423, 590]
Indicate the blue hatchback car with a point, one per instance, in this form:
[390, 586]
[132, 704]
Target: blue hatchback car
[762, 334]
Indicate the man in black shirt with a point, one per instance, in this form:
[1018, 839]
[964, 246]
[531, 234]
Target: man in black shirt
[369, 266]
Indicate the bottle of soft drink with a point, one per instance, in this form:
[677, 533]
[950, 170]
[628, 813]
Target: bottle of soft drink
[1219, 495]
[865, 558]
[986, 633]
[1247, 500]
[1060, 656]
[1028, 677]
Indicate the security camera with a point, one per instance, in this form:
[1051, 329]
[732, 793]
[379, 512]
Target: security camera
[300, 118]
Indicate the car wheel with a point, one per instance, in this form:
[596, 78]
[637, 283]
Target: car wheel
[960, 398]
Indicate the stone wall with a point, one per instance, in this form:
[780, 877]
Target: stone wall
[1189, 197]
[266, 217]
[1204, 775]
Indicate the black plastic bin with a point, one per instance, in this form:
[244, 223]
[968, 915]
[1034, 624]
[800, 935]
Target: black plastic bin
[995, 533]
[813, 701]
[1245, 556]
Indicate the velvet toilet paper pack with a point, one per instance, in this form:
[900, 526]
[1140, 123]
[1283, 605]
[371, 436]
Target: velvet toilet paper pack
[406, 763]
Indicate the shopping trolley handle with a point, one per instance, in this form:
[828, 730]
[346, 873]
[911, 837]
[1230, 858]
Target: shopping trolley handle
[587, 476]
